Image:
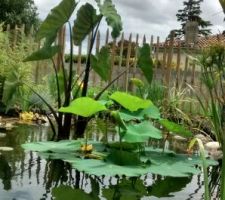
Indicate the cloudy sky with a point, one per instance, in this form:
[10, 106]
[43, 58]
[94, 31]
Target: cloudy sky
[151, 17]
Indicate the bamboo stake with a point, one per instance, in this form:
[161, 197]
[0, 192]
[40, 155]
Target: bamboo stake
[120, 57]
[112, 60]
[178, 65]
[128, 63]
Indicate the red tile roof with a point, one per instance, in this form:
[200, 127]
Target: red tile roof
[203, 42]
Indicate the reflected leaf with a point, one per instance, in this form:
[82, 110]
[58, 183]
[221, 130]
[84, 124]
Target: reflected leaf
[67, 192]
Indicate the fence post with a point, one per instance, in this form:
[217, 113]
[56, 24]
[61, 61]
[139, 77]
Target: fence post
[178, 65]
[128, 63]
[120, 57]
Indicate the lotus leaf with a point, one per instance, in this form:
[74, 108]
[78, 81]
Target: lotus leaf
[83, 106]
[130, 102]
[62, 146]
[141, 132]
[166, 164]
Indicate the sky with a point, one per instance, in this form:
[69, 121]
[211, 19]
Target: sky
[150, 17]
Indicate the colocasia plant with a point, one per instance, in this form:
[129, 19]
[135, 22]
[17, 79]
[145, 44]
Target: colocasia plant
[88, 19]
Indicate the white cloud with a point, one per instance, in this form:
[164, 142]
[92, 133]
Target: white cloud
[150, 17]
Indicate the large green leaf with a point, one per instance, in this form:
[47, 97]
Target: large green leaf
[56, 19]
[62, 146]
[46, 52]
[130, 102]
[85, 22]
[141, 132]
[101, 63]
[175, 128]
[83, 106]
[113, 19]
[166, 164]
[150, 112]
[145, 62]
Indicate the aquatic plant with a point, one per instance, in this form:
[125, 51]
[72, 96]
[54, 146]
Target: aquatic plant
[129, 156]
[86, 23]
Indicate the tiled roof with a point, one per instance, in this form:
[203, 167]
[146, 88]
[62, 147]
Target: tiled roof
[202, 42]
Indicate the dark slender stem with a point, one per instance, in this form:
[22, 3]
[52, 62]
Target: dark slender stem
[107, 86]
[52, 127]
[88, 64]
[64, 75]
[46, 103]
[68, 92]
[57, 83]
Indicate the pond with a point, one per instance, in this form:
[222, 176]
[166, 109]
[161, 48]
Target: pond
[26, 176]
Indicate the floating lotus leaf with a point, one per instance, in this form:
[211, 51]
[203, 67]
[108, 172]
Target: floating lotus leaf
[130, 102]
[83, 106]
[50, 146]
[166, 164]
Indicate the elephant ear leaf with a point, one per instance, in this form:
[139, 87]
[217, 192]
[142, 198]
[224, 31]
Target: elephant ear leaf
[85, 22]
[44, 53]
[145, 62]
[57, 17]
[113, 19]
[101, 63]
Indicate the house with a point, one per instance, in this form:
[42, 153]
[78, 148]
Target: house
[161, 49]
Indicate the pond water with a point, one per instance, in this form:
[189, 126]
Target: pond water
[25, 176]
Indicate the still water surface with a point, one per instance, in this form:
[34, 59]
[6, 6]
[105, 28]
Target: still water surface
[25, 176]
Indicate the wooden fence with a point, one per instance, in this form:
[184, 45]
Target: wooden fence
[173, 66]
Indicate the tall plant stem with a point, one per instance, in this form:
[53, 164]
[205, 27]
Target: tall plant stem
[88, 64]
[68, 91]
[222, 192]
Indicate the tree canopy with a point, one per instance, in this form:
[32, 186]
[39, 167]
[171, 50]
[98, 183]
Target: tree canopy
[192, 12]
[14, 12]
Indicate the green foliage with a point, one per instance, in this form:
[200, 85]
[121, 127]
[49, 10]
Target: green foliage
[141, 132]
[44, 53]
[166, 164]
[83, 106]
[175, 128]
[85, 23]
[19, 13]
[145, 62]
[15, 71]
[131, 103]
[101, 63]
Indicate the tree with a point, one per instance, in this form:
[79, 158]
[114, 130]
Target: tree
[14, 12]
[192, 12]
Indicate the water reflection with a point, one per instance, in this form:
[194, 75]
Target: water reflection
[24, 175]
[5, 173]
